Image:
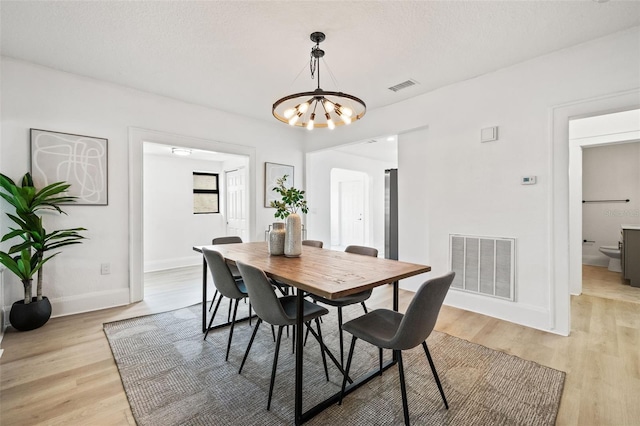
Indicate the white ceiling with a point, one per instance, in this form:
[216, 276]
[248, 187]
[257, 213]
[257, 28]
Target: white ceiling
[241, 56]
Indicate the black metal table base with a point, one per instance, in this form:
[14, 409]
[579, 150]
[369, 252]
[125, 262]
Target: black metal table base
[300, 416]
[333, 399]
[228, 323]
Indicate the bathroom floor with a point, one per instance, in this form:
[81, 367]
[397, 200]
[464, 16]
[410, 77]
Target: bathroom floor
[600, 282]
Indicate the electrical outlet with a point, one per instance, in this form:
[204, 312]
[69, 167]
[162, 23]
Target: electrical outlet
[105, 268]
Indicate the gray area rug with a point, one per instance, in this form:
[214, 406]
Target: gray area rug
[173, 377]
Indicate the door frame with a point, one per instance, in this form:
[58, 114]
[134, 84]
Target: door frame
[137, 137]
[565, 267]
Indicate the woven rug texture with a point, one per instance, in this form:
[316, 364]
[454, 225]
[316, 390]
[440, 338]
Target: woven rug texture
[173, 377]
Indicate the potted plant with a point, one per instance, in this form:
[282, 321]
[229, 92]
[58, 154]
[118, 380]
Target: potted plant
[287, 208]
[29, 255]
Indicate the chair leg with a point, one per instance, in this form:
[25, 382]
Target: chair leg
[229, 313]
[213, 300]
[215, 311]
[346, 372]
[275, 366]
[435, 374]
[273, 332]
[249, 311]
[253, 335]
[212, 317]
[403, 388]
[364, 307]
[233, 323]
[340, 331]
[380, 359]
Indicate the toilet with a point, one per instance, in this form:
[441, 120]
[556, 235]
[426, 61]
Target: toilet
[613, 252]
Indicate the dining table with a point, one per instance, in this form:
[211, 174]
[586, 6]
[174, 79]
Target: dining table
[331, 274]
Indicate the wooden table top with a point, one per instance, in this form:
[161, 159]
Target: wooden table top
[328, 273]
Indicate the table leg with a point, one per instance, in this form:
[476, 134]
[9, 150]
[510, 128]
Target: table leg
[204, 294]
[395, 296]
[395, 308]
[299, 336]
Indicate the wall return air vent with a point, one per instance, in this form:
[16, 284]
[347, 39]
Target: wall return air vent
[403, 85]
[483, 265]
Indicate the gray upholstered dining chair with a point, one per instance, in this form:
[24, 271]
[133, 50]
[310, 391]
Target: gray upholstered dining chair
[277, 311]
[227, 286]
[392, 330]
[351, 299]
[234, 271]
[312, 243]
[229, 240]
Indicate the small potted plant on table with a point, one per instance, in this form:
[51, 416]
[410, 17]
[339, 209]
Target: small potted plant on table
[287, 208]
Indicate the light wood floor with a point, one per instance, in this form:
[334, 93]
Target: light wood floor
[601, 282]
[64, 373]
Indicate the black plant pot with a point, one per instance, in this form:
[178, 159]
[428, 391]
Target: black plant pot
[30, 316]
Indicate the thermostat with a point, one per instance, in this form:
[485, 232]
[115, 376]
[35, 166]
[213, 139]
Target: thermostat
[528, 180]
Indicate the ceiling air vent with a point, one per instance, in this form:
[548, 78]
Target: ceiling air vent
[403, 85]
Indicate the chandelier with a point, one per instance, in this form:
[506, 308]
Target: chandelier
[318, 108]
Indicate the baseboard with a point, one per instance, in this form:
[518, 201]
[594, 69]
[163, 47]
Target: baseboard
[595, 261]
[70, 305]
[518, 313]
[161, 265]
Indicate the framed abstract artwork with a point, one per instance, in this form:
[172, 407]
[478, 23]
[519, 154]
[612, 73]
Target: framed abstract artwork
[75, 159]
[273, 172]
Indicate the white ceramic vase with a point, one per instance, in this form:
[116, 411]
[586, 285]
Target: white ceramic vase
[276, 239]
[293, 236]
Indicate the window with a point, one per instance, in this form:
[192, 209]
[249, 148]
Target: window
[205, 193]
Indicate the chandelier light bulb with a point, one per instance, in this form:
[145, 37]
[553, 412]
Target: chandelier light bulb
[345, 110]
[310, 123]
[294, 119]
[289, 113]
[303, 107]
[330, 123]
[345, 119]
[328, 105]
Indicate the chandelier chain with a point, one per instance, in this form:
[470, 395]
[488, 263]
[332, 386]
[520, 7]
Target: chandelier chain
[313, 62]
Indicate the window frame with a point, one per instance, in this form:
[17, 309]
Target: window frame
[207, 191]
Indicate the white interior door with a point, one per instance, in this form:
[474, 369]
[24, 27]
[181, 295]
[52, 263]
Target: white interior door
[236, 203]
[352, 220]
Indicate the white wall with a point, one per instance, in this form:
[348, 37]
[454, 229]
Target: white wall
[38, 97]
[474, 188]
[608, 172]
[318, 171]
[170, 227]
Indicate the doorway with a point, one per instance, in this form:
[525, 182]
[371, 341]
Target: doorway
[606, 155]
[565, 248]
[137, 140]
[187, 199]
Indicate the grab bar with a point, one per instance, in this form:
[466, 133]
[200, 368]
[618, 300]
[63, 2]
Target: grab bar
[606, 201]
